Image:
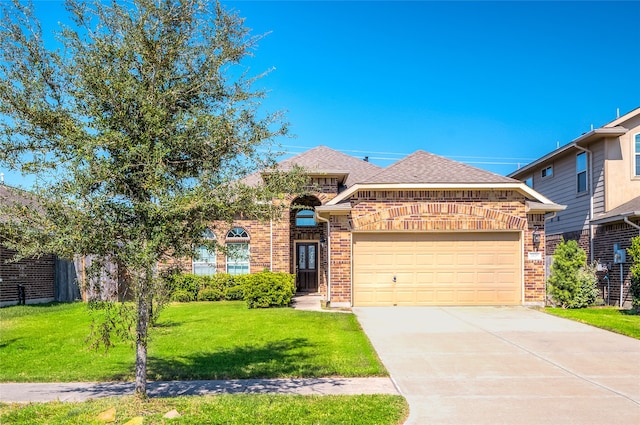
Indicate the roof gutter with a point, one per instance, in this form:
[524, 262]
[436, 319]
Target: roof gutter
[629, 222]
[591, 136]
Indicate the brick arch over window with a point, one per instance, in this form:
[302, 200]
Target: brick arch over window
[301, 204]
[438, 216]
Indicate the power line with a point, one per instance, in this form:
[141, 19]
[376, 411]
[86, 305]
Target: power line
[397, 155]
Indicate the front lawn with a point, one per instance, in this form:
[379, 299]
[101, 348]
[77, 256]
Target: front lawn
[217, 340]
[624, 322]
[225, 409]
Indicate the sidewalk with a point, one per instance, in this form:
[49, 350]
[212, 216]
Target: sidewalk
[81, 391]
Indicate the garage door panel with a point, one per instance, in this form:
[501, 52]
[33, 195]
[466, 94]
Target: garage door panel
[437, 269]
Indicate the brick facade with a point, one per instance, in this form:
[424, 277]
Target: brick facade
[272, 243]
[36, 274]
[436, 211]
[604, 237]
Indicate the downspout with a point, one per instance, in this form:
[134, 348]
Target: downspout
[590, 183]
[271, 244]
[325, 220]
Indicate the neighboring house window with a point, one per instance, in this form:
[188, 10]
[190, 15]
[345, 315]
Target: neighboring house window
[529, 181]
[237, 251]
[204, 262]
[637, 151]
[305, 218]
[547, 172]
[581, 171]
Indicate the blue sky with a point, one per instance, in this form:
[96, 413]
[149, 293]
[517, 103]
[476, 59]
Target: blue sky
[492, 84]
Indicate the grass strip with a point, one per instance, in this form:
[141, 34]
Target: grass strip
[222, 409]
[625, 322]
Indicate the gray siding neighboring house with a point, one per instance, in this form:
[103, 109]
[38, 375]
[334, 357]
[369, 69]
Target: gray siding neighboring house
[607, 211]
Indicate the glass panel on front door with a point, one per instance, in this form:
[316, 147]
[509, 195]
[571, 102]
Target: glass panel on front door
[307, 273]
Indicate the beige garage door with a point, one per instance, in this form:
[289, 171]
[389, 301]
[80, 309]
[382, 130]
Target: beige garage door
[437, 269]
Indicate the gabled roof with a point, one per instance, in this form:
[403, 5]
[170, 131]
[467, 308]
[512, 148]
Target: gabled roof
[628, 209]
[425, 167]
[425, 171]
[324, 161]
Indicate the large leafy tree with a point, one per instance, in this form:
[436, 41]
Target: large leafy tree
[140, 123]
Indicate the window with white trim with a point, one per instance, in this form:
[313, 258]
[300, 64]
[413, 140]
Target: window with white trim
[204, 261]
[547, 172]
[637, 154]
[237, 243]
[529, 181]
[581, 172]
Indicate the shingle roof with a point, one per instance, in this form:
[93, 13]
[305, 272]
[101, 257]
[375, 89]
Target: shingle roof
[324, 160]
[631, 207]
[11, 195]
[425, 167]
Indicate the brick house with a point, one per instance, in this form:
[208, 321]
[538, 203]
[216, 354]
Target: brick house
[597, 176]
[423, 231]
[36, 275]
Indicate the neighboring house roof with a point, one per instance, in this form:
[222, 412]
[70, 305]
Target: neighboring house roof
[611, 129]
[325, 161]
[628, 209]
[10, 196]
[425, 167]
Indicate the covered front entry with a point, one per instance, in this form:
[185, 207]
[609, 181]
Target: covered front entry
[307, 266]
[455, 268]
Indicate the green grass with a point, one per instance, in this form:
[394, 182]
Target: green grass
[223, 340]
[225, 409]
[624, 322]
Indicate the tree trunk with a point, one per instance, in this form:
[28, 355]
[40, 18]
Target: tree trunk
[142, 327]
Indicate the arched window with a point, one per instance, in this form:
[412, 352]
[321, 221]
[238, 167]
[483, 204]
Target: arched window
[237, 251]
[204, 262]
[305, 218]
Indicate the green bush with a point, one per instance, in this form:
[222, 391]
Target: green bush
[266, 289]
[186, 287]
[572, 284]
[259, 290]
[183, 283]
[234, 293]
[182, 296]
[210, 294]
[634, 254]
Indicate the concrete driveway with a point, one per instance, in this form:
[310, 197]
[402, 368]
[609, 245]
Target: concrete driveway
[503, 365]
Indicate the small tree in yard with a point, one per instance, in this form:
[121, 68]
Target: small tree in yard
[140, 128]
[634, 254]
[572, 283]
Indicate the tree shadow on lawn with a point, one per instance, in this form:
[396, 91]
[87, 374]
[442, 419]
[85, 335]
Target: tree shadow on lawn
[278, 359]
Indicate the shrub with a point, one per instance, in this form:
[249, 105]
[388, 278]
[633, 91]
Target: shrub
[572, 284]
[634, 254]
[182, 296]
[268, 289]
[183, 283]
[210, 294]
[234, 293]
